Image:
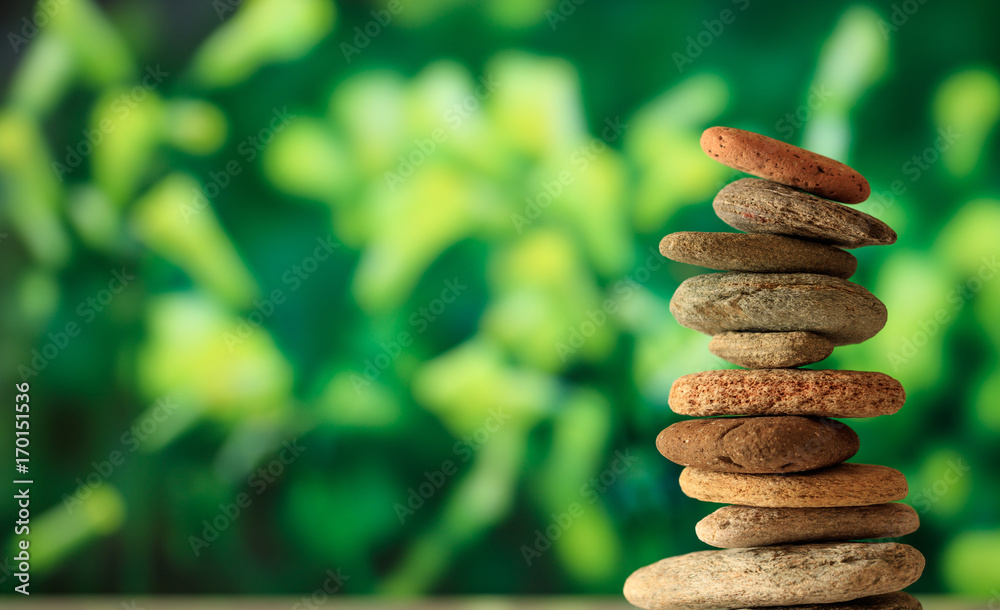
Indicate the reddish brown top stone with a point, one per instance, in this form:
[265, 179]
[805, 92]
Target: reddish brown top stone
[780, 162]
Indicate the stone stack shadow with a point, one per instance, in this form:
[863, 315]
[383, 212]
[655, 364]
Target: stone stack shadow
[766, 444]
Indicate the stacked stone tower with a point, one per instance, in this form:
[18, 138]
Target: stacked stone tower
[796, 509]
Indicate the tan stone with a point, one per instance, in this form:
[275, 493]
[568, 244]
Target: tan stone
[746, 526]
[841, 485]
[757, 253]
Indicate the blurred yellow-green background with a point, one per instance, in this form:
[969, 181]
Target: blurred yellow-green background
[367, 293]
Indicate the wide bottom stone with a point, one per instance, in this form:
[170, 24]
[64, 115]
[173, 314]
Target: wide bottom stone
[775, 576]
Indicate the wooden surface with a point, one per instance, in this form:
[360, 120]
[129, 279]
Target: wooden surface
[361, 603]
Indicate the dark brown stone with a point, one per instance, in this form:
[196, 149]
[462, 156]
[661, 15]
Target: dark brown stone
[758, 444]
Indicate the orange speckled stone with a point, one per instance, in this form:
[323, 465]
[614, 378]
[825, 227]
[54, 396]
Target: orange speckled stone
[815, 392]
[786, 164]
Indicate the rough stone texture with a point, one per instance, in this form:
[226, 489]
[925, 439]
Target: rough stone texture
[745, 526]
[771, 350]
[824, 393]
[889, 601]
[841, 311]
[775, 160]
[758, 444]
[841, 485]
[762, 206]
[757, 253]
[775, 576]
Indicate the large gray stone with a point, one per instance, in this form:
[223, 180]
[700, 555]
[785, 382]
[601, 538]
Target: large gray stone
[841, 311]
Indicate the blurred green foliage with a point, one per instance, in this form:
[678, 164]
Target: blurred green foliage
[418, 239]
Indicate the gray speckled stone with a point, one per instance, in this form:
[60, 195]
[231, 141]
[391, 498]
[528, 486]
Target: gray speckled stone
[841, 311]
[757, 253]
[775, 576]
[761, 206]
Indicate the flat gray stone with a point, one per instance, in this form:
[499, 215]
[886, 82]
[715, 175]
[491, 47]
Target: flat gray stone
[775, 576]
[777, 350]
[761, 206]
[746, 526]
[757, 253]
[841, 311]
